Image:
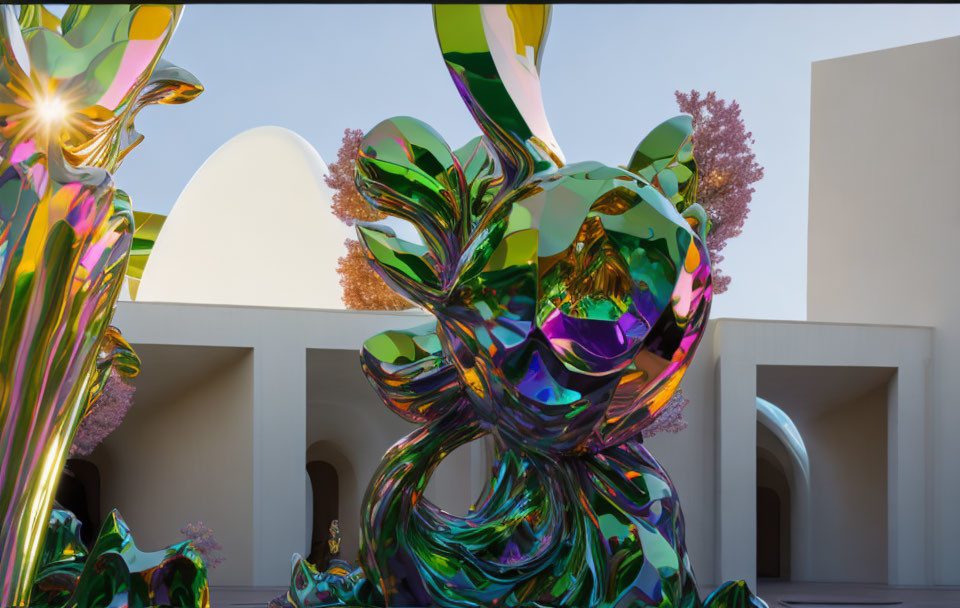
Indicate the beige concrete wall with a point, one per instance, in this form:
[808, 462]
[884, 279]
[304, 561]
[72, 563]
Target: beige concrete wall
[744, 346]
[884, 151]
[846, 440]
[188, 459]
[848, 474]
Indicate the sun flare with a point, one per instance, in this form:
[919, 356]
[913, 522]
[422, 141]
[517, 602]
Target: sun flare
[51, 111]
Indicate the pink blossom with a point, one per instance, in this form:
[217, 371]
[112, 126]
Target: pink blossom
[105, 415]
[671, 419]
[727, 168]
[202, 538]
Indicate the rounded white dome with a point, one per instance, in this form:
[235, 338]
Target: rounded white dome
[253, 227]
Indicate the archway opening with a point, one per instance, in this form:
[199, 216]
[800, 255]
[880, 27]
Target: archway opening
[827, 432]
[79, 492]
[768, 533]
[773, 518]
[325, 486]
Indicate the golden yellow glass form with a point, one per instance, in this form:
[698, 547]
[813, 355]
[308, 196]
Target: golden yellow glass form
[70, 89]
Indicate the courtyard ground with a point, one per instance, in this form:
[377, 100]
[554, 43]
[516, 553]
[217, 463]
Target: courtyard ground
[777, 594]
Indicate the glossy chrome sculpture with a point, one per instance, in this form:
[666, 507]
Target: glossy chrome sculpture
[569, 300]
[113, 572]
[69, 91]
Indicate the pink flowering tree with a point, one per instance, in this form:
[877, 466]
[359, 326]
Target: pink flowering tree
[727, 168]
[202, 538]
[105, 415]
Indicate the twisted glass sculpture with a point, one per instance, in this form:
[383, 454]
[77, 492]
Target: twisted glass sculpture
[569, 300]
[69, 91]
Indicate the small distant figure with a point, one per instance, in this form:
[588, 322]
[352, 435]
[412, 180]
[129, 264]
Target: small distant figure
[334, 541]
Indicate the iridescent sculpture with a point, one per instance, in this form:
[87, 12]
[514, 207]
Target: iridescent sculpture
[69, 91]
[148, 227]
[114, 572]
[569, 300]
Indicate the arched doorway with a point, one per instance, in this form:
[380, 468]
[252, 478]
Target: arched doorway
[773, 518]
[79, 492]
[783, 469]
[325, 486]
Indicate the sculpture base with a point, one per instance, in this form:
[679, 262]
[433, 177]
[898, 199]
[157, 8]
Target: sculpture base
[342, 585]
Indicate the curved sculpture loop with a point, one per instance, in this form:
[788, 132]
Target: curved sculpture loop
[569, 300]
[70, 89]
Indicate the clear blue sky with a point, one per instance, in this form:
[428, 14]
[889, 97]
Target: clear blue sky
[608, 77]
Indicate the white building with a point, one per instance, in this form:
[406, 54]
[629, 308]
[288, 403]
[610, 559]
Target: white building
[238, 399]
